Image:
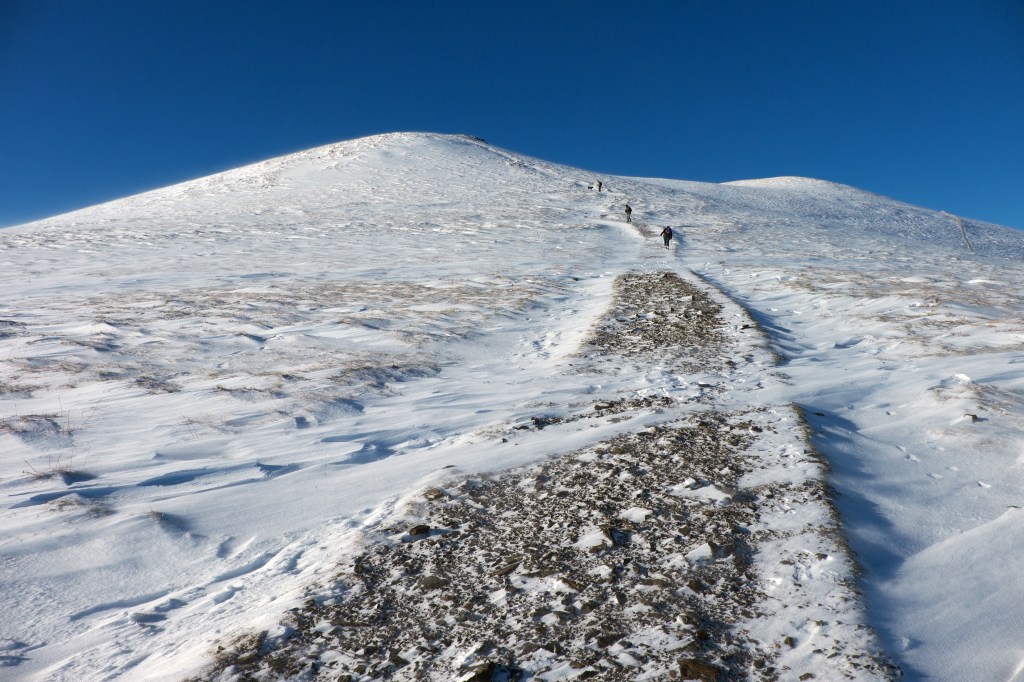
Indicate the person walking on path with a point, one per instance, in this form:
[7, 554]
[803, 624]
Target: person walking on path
[666, 234]
[629, 214]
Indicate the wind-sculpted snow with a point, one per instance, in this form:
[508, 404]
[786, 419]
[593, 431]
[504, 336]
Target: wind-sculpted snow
[213, 393]
[662, 552]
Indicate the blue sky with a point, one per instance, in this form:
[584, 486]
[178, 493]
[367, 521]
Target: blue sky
[922, 100]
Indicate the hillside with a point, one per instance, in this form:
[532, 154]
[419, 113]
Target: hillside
[218, 396]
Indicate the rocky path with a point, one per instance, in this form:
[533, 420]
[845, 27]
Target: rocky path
[701, 547]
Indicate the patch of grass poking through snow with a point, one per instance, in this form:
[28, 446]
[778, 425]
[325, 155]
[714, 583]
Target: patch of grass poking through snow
[9, 391]
[156, 384]
[57, 466]
[51, 430]
[69, 504]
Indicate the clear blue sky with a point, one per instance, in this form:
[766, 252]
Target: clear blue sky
[920, 100]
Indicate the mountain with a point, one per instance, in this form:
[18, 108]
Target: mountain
[222, 400]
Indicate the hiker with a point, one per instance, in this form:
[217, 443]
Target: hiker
[666, 234]
[629, 214]
[599, 185]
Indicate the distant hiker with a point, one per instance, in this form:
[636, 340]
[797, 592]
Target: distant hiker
[629, 214]
[599, 183]
[666, 234]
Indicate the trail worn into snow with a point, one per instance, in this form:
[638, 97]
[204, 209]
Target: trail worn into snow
[700, 547]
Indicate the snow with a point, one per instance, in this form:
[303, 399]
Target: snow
[211, 391]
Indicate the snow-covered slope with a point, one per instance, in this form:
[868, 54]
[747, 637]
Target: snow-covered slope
[209, 389]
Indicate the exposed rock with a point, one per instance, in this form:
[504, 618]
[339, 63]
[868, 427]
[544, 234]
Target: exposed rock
[693, 669]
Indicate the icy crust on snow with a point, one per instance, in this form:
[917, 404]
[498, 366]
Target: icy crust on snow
[210, 391]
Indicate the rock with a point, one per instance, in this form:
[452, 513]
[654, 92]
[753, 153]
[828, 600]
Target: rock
[693, 669]
[434, 494]
[541, 422]
[422, 529]
[432, 582]
[606, 640]
[721, 551]
[496, 672]
[397, 660]
[507, 569]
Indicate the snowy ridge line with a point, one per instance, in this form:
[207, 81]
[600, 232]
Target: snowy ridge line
[701, 546]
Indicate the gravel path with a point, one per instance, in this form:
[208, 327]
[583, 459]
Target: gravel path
[701, 547]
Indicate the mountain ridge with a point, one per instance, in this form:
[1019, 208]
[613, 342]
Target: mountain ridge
[259, 174]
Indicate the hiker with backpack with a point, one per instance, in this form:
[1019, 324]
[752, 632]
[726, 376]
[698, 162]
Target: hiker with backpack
[666, 234]
[629, 214]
